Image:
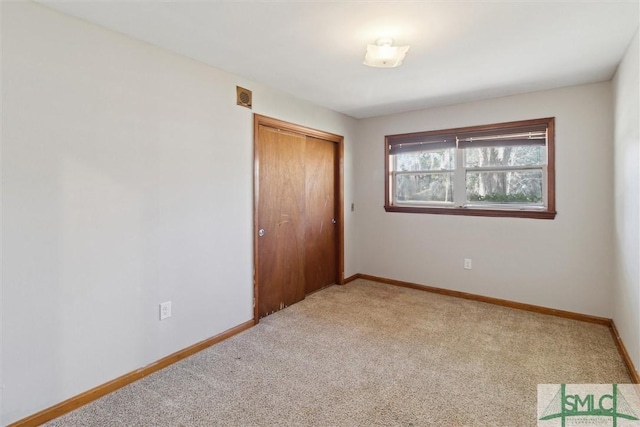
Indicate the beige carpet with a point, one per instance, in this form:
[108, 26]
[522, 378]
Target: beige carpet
[369, 354]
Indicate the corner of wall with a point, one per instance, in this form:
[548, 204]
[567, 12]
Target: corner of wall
[1, 119]
[626, 190]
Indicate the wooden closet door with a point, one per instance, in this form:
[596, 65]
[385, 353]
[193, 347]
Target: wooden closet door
[281, 206]
[320, 214]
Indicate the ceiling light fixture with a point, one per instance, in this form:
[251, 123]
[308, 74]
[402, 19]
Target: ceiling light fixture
[384, 54]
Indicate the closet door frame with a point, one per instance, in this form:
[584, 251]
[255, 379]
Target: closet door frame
[260, 120]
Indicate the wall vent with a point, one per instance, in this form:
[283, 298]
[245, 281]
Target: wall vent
[243, 97]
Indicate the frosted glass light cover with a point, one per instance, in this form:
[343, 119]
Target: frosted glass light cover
[385, 56]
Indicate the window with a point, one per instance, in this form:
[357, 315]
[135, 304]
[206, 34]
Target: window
[504, 169]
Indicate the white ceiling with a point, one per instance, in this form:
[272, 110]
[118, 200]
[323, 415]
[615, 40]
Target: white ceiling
[460, 51]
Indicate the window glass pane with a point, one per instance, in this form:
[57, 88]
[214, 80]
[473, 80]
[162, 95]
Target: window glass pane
[504, 156]
[523, 187]
[426, 160]
[435, 187]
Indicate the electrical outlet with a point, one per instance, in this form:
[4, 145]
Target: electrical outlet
[467, 263]
[165, 310]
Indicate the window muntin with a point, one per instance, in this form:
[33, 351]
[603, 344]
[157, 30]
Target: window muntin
[504, 169]
[505, 175]
[424, 176]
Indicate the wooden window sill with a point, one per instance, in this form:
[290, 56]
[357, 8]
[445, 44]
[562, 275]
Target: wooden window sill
[503, 213]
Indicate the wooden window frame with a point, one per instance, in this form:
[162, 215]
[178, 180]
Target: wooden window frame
[549, 212]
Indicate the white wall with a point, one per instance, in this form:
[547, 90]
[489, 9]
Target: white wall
[626, 295]
[127, 181]
[1, 80]
[563, 263]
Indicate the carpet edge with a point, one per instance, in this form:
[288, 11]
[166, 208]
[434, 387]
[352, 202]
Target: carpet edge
[633, 373]
[89, 396]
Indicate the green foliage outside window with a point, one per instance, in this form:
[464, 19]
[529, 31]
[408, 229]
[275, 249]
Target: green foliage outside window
[505, 198]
